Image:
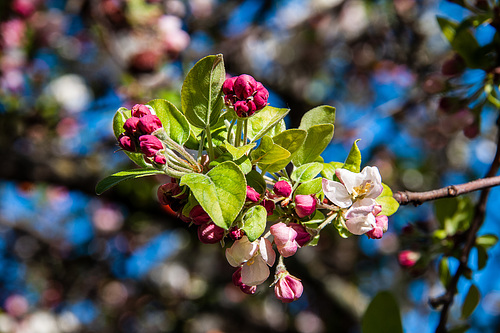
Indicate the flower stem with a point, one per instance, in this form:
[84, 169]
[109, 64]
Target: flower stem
[202, 141]
[239, 128]
[229, 132]
[245, 131]
[211, 153]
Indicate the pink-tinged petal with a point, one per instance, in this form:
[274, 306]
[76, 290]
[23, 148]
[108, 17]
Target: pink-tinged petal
[284, 237]
[288, 289]
[241, 251]
[382, 222]
[336, 193]
[305, 205]
[303, 237]
[372, 175]
[266, 251]
[408, 258]
[361, 208]
[349, 179]
[254, 272]
[360, 225]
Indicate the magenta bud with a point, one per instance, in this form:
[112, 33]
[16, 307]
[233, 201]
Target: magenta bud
[284, 238]
[408, 258]
[303, 237]
[381, 226]
[236, 233]
[269, 206]
[149, 123]
[209, 233]
[126, 143]
[244, 109]
[199, 216]
[260, 97]
[140, 110]
[282, 188]
[150, 145]
[305, 205]
[250, 290]
[288, 288]
[160, 159]
[237, 277]
[471, 131]
[244, 86]
[167, 193]
[454, 66]
[228, 86]
[252, 194]
[130, 125]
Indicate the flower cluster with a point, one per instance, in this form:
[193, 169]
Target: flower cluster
[138, 134]
[245, 95]
[265, 216]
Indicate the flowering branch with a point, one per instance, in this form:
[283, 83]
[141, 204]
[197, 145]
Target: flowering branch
[417, 198]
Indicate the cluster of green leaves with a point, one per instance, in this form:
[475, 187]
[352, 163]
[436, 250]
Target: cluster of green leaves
[204, 124]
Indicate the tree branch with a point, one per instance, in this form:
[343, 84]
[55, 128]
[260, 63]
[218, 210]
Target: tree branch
[417, 198]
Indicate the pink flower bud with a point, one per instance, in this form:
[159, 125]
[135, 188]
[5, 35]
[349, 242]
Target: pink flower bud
[252, 194]
[303, 237]
[305, 205]
[243, 287]
[244, 86]
[261, 96]
[243, 109]
[150, 145]
[149, 123]
[209, 233]
[160, 159]
[408, 258]
[236, 233]
[269, 206]
[288, 288]
[282, 188]
[130, 125]
[126, 143]
[228, 86]
[140, 110]
[199, 216]
[381, 225]
[284, 237]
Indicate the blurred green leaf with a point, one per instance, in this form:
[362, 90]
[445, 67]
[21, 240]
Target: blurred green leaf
[454, 214]
[118, 177]
[444, 271]
[382, 315]
[486, 241]
[482, 257]
[221, 192]
[254, 222]
[471, 301]
[202, 92]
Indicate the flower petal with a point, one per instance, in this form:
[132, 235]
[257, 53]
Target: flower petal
[336, 193]
[349, 179]
[266, 251]
[241, 251]
[361, 208]
[255, 273]
[360, 225]
[372, 175]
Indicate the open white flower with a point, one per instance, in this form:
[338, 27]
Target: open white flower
[353, 186]
[360, 217]
[254, 259]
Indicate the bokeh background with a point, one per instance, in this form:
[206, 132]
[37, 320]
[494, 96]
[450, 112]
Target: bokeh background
[71, 261]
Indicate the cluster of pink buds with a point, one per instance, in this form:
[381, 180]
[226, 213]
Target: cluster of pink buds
[245, 95]
[138, 135]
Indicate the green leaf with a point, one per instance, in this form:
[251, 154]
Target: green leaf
[254, 222]
[221, 192]
[268, 152]
[387, 201]
[173, 121]
[265, 120]
[318, 138]
[444, 271]
[329, 170]
[291, 140]
[486, 241]
[239, 151]
[202, 92]
[309, 187]
[118, 120]
[306, 172]
[471, 301]
[278, 128]
[115, 178]
[382, 315]
[353, 160]
[323, 114]
[482, 257]
[255, 180]
[454, 214]
[448, 28]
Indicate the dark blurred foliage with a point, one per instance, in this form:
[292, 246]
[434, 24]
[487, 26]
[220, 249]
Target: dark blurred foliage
[74, 262]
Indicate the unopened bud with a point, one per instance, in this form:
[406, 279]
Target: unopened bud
[150, 145]
[269, 206]
[303, 237]
[140, 110]
[284, 237]
[305, 205]
[236, 233]
[209, 233]
[288, 288]
[282, 188]
[199, 216]
[130, 125]
[408, 258]
[252, 194]
[148, 124]
[126, 143]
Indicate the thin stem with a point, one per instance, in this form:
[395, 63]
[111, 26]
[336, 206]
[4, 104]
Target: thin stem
[172, 157]
[230, 131]
[239, 128]
[202, 142]
[245, 131]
